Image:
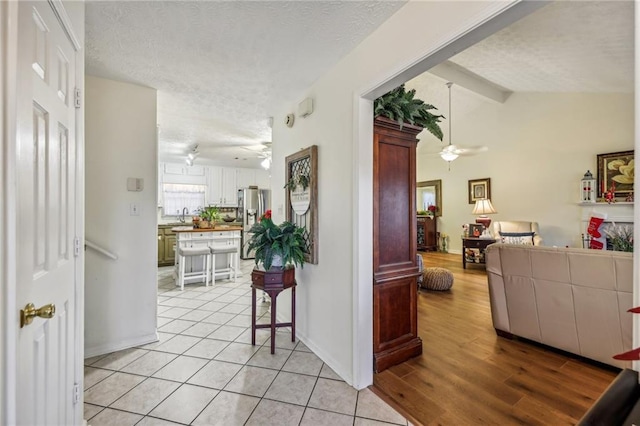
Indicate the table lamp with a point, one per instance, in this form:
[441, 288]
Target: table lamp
[483, 207]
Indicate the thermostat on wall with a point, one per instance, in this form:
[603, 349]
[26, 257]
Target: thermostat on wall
[135, 184]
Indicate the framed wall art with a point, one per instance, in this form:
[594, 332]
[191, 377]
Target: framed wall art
[475, 230]
[615, 173]
[302, 195]
[479, 189]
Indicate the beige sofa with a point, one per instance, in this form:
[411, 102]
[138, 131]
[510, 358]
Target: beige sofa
[516, 226]
[571, 299]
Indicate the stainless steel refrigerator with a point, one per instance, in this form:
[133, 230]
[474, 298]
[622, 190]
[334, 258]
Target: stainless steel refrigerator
[252, 203]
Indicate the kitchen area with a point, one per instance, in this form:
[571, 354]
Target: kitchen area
[241, 195]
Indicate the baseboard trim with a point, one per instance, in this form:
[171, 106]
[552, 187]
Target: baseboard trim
[399, 354]
[325, 357]
[118, 346]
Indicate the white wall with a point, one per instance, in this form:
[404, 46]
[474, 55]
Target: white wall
[540, 146]
[326, 311]
[121, 295]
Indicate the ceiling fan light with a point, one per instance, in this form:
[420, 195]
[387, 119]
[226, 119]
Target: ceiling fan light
[448, 155]
[189, 162]
[193, 155]
[266, 163]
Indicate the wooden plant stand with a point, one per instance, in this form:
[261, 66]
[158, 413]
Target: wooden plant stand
[273, 282]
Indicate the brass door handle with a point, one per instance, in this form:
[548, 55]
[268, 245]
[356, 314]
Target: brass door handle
[30, 312]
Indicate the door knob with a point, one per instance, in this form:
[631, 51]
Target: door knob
[30, 312]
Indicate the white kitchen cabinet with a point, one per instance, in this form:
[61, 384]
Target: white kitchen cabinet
[246, 178]
[195, 171]
[253, 177]
[263, 178]
[214, 186]
[229, 187]
[174, 169]
[222, 189]
[181, 174]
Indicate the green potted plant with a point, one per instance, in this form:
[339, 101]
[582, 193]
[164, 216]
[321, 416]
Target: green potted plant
[279, 246]
[300, 179]
[401, 106]
[209, 216]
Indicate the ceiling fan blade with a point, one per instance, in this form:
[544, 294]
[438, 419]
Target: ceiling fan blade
[471, 150]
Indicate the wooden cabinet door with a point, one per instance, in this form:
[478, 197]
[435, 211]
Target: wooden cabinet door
[160, 246]
[395, 267]
[431, 234]
[169, 247]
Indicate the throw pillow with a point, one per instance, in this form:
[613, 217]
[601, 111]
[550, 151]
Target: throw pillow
[525, 238]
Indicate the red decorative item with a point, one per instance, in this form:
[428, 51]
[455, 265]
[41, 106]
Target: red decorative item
[594, 224]
[596, 245]
[632, 355]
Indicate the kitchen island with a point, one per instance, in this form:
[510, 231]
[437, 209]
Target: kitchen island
[188, 236]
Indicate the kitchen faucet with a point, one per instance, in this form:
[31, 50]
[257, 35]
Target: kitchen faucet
[185, 211]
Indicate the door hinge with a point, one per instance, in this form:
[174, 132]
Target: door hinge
[76, 246]
[78, 98]
[76, 393]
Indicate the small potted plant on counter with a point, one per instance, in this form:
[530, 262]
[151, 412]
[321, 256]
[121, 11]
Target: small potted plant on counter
[209, 216]
[281, 246]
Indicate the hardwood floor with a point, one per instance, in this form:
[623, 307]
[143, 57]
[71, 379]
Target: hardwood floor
[468, 375]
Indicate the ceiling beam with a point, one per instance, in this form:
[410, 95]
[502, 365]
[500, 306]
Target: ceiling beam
[471, 81]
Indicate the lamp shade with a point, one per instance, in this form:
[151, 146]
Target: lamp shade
[483, 207]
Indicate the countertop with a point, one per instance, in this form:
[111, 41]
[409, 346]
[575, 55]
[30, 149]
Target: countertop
[218, 228]
[174, 224]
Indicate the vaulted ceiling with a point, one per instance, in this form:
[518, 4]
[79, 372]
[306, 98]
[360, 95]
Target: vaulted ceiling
[219, 67]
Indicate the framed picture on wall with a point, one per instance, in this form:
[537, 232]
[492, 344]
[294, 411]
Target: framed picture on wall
[479, 189]
[615, 172]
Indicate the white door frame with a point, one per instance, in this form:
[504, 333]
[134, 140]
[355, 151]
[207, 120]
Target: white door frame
[8, 237]
[8, 310]
[492, 20]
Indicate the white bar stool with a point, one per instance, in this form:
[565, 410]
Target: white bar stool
[232, 253]
[183, 253]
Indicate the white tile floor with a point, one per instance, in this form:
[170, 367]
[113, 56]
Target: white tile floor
[204, 370]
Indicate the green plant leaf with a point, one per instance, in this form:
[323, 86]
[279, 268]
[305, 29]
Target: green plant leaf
[402, 106]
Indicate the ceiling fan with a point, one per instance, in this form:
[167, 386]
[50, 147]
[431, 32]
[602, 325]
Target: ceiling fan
[263, 150]
[451, 151]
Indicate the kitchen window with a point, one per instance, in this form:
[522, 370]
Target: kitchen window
[178, 196]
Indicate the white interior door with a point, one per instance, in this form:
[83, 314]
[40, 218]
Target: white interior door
[46, 182]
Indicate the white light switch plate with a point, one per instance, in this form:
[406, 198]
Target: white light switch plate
[134, 210]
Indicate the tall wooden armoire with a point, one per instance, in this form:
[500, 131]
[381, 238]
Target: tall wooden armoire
[395, 268]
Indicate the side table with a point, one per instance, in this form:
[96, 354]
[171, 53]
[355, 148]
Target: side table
[273, 282]
[474, 243]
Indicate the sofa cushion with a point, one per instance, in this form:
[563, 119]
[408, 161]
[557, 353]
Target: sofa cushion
[525, 238]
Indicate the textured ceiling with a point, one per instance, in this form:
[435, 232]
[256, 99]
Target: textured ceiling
[567, 46]
[219, 67]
